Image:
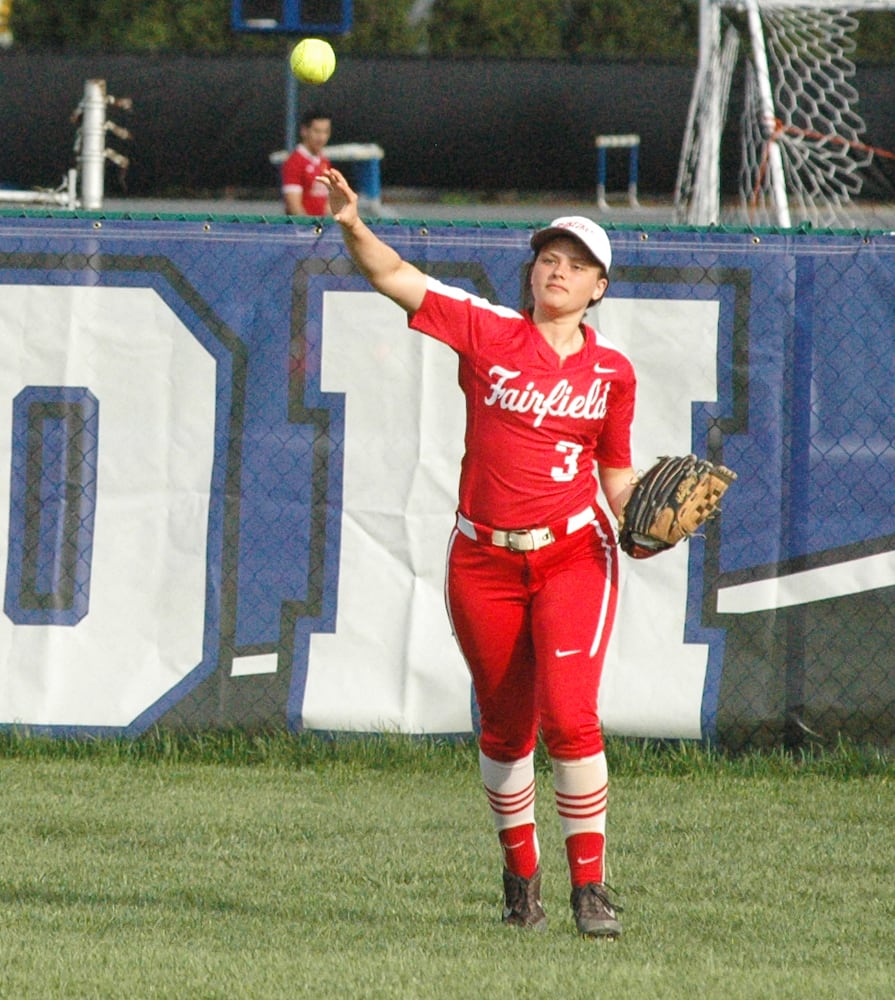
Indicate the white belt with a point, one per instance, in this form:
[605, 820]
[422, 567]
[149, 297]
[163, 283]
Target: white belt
[524, 539]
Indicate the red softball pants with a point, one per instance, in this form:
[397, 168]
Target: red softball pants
[533, 628]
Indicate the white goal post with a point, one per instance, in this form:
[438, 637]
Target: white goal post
[803, 151]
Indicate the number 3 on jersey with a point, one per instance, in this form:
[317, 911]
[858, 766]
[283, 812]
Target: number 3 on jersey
[566, 472]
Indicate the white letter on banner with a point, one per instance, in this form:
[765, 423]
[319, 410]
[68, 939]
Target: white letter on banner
[392, 663]
[155, 387]
[653, 681]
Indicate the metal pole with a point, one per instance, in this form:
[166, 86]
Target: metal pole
[708, 166]
[5, 32]
[633, 166]
[92, 158]
[36, 198]
[768, 118]
[72, 190]
[291, 108]
[601, 177]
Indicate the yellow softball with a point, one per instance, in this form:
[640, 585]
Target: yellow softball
[313, 60]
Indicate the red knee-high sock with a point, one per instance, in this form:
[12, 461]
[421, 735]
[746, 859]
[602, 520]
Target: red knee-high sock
[585, 854]
[520, 849]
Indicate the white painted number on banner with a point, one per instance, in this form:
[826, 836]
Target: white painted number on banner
[155, 387]
[392, 663]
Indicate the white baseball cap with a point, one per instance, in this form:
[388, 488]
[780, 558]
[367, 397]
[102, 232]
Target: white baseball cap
[588, 232]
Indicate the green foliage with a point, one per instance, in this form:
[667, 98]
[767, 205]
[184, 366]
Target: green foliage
[383, 28]
[664, 29]
[524, 28]
[124, 25]
[529, 28]
[556, 28]
[615, 29]
[875, 38]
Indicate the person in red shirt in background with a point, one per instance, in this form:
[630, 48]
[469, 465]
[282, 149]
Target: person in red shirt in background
[303, 192]
[532, 575]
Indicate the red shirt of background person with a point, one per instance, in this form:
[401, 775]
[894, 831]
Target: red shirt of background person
[303, 192]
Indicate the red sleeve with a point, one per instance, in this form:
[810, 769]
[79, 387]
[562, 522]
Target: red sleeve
[614, 444]
[455, 317]
[443, 316]
[290, 175]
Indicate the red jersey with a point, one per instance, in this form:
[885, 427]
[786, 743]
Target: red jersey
[299, 174]
[535, 424]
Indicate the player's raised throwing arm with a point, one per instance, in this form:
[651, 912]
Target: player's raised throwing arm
[382, 266]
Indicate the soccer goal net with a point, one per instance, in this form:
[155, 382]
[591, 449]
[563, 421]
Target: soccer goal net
[804, 156]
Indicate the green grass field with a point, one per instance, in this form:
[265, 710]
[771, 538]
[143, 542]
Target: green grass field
[268, 867]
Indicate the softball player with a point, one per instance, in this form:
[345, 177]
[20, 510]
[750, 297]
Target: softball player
[532, 562]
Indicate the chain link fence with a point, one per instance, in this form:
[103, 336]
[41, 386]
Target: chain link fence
[232, 475]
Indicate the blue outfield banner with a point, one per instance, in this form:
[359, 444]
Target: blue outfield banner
[231, 476]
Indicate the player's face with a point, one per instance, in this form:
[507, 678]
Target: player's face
[315, 135]
[565, 278]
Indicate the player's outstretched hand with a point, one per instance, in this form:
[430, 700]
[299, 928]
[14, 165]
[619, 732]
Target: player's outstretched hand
[342, 199]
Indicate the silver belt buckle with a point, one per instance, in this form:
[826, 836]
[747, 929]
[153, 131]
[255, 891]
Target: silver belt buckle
[529, 540]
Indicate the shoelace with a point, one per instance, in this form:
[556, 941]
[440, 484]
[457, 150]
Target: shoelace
[600, 893]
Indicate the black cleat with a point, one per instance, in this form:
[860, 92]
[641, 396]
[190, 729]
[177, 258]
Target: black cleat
[522, 907]
[594, 913]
